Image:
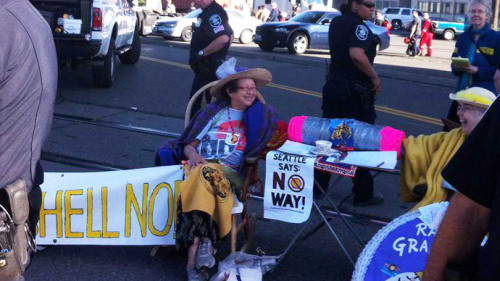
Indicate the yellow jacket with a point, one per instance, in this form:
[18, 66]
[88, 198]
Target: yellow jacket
[425, 158]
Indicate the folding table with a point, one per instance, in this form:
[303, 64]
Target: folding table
[325, 221]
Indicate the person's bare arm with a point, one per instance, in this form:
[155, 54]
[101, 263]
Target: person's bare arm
[363, 63]
[194, 158]
[216, 45]
[413, 30]
[459, 236]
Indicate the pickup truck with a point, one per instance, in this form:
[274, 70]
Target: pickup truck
[93, 32]
[448, 29]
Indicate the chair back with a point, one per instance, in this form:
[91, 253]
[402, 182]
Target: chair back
[201, 94]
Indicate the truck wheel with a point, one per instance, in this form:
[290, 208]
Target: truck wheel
[133, 55]
[187, 34]
[103, 75]
[396, 25]
[449, 34]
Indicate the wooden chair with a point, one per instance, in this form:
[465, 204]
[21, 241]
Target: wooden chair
[247, 225]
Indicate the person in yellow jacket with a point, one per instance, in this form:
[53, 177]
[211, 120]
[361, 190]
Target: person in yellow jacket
[426, 156]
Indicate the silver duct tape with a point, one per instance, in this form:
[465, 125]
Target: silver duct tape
[365, 136]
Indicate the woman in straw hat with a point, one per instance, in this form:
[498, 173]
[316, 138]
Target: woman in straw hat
[218, 138]
[427, 155]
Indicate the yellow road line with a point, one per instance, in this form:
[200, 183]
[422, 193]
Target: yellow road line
[166, 62]
[384, 109]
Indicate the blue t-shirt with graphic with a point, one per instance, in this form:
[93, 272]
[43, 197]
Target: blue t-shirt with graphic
[224, 138]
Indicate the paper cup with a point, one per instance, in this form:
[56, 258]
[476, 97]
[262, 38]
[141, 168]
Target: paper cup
[323, 146]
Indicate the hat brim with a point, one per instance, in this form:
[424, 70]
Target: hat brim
[261, 77]
[476, 104]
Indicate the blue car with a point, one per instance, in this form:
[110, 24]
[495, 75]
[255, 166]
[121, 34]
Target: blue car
[307, 30]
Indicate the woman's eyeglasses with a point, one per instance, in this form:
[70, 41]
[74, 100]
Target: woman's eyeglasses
[247, 89]
[369, 5]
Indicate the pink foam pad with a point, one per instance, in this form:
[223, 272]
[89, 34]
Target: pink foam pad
[391, 140]
[295, 128]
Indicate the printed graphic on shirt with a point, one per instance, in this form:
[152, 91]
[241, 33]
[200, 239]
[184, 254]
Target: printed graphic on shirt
[224, 138]
[215, 21]
[362, 32]
[221, 143]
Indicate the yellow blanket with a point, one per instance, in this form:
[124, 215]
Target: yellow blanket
[425, 158]
[207, 189]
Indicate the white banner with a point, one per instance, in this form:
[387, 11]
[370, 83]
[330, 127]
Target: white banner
[289, 187]
[129, 207]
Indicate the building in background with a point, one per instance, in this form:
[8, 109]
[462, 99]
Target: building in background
[454, 10]
[380, 4]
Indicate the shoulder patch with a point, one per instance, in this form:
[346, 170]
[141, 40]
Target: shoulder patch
[361, 32]
[215, 20]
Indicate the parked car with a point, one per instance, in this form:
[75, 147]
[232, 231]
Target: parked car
[400, 17]
[180, 27]
[307, 30]
[448, 29]
[93, 33]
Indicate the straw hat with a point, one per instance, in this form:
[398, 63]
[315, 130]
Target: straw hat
[261, 77]
[475, 96]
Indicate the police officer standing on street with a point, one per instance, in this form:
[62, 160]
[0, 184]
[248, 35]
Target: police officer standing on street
[352, 83]
[212, 36]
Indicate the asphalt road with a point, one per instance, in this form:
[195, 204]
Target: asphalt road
[154, 93]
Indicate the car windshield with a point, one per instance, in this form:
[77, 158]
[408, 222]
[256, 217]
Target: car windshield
[193, 14]
[308, 17]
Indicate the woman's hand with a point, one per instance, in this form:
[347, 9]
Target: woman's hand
[467, 69]
[195, 160]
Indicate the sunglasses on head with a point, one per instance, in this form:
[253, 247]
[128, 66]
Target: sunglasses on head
[369, 5]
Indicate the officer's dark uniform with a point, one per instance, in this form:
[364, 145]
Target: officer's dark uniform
[347, 94]
[212, 23]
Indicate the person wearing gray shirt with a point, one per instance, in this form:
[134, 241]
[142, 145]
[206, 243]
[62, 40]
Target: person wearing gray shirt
[28, 84]
[416, 33]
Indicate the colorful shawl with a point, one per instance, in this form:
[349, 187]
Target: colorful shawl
[259, 120]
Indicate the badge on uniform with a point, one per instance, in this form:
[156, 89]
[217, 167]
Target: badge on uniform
[216, 23]
[362, 32]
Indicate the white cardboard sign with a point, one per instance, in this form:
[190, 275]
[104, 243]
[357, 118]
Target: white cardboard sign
[129, 207]
[289, 187]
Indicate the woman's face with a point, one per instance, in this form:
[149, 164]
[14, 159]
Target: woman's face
[245, 94]
[477, 15]
[469, 116]
[364, 9]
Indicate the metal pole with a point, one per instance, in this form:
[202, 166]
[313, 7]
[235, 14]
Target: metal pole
[494, 24]
[334, 234]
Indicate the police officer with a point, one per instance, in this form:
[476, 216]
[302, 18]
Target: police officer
[212, 36]
[352, 82]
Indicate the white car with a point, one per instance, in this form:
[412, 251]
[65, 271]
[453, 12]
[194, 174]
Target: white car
[400, 17]
[243, 26]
